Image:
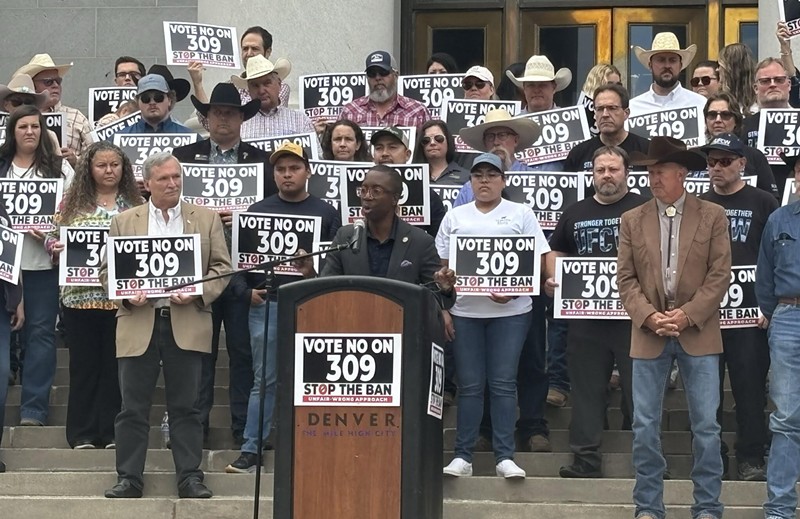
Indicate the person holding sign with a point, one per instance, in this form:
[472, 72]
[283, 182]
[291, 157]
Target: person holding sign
[436, 147]
[488, 331]
[673, 269]
[104, 186]
[478, 83]
[344, 141]
[171, 332]
[157, 97]
[590, 229]
[665, 60]
[292, 172]
[26, 156]
[540, 82]
[746, 351]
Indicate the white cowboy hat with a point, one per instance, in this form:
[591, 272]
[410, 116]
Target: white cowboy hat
[539, 68]
[665, 42]
[259, 66]
[22, 84]
[527, 130]
[42, 62]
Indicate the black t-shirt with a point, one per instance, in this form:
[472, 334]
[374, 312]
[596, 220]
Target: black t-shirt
[580, 157]
[750, 131]
[756, 166]
[591, 229]
[747, 210]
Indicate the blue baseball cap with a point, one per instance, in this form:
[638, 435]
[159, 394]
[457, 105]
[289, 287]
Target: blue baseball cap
[725, 142]
[153, 82]
[490, 159]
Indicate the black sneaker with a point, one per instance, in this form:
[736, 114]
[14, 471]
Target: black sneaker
[580, 469]
[750, 472]
[244, 464]
[2, 467]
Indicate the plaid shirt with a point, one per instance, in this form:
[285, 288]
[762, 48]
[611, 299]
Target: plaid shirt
[404, 112]
[244, 94]
[78, 128]
[281, 121]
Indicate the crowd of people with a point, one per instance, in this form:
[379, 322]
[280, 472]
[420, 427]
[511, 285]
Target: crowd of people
[507, 357]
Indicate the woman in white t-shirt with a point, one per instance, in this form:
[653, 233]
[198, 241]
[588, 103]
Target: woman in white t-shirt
[488, 331]
[25, 155]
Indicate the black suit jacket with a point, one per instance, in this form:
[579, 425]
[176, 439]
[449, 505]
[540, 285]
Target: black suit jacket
[414, 258]
[200, 151]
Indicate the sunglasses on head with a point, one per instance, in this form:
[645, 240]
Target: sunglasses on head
[375, 72]
[158, 97]
[19, 101]
[726, 115]
[50, 81]
[705, 80]
[438, 138]
[724, 161]
[467, 85]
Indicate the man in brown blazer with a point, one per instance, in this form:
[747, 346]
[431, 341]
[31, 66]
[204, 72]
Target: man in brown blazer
[171, 332]
[673, 270]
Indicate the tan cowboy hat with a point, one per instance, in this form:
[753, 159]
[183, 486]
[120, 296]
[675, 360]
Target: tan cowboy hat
[667, 149]
[22, 84]
[527, 130]
[42, 62]
[259, 66]
[539, 68]
[665, 42]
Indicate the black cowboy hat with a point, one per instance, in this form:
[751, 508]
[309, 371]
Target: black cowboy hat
[225, 94]
[667, 149]
[180, 86]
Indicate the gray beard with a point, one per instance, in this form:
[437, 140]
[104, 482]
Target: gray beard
[381, 96]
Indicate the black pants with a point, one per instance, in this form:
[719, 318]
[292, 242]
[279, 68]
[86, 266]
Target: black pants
[746, 353]
[590, 361]
[137, 381]
[94, 398]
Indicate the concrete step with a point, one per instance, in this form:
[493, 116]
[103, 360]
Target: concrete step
[220, 415]
[59, 395]
[492, 510]
[62, 355]
[55, 437]
[221, 376]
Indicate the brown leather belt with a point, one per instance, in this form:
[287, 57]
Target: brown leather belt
[794, 301]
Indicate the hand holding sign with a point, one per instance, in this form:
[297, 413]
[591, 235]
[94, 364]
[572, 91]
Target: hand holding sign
[212, 45]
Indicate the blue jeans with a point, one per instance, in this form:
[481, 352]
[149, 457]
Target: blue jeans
[783, 468]
[557, 374]
[38, 339]
[5, 358]
[257, 347]
[701, 380]
[488, 350]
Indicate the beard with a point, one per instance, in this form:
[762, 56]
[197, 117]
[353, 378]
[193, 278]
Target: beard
[666, 83]
[609, 189]
[382, 95]
[508, 161]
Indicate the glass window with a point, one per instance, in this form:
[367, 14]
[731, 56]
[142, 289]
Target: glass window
[639, 76]
[748, 34]
[466, 45]
[572, 47]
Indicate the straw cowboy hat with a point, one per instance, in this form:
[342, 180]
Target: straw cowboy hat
[42, 62]
[667, 149]
[539, 68]
[225, 94]
[259, 66]
[22, 84]
[527, 130]
[665, 42]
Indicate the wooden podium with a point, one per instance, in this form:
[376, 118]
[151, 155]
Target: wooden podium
[359, 400]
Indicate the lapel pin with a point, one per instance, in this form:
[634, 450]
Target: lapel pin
[405, 239]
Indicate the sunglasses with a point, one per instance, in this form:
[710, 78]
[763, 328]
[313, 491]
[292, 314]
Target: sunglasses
[705, 80]
[480, 85]
[427, 140]
[158, 97]
[375, 72]
[766, 81]
[50, 81]
[19, 101]
[724, 161]
[725, 114]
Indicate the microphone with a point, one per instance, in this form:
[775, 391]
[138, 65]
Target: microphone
[358, 227]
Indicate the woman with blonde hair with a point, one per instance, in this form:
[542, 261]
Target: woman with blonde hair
[599, 75]
[737, 75]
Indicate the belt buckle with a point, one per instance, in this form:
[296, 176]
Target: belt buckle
[163, 312]
[670, 305]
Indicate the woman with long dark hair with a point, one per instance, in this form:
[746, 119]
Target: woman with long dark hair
[104, 186]
[27, 154]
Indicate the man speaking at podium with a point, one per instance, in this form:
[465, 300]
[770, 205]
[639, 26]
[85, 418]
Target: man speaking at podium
[383, 244]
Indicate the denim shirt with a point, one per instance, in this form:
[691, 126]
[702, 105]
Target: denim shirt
[466, 195]
[778, 269]
[168, 125]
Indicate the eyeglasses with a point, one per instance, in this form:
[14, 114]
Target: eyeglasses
[375, 72]
[610, 109]
[480, 85]
[158, 97]
[373, 191]
[50, 81]
[427, 140]
[133, 75]
[705, 80]
[766, 81]
[726, 115]
[18, 101]
[500, 136]
[724, 161]
[490, 175]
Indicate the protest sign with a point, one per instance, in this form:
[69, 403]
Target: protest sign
[466, 113]
[106, 133]
[10, 254]
[84, 250]
[211, 45]
[778, 132]
[562, 129]
[308, 141]
[508, 265]
[739, 308]
[260, 237]
[106, 100]
[414, 206]
[432, 90]
[223, 187]
[548, 193]
[322, 96]
[686, 124]
[31, 204]
[139, 146]
[587, 289]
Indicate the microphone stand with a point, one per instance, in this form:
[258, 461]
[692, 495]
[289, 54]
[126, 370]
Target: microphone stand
[268, 267]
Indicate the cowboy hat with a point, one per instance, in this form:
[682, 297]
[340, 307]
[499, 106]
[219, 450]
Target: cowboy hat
[668, 149]
[225, 94]
[42, 62]
[527, 130]
[539, 68]
[21, 84]
[259, 66]
[790, 161]
[665, 42]
[180, 86]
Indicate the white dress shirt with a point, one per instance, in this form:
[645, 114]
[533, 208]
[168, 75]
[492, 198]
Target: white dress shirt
[679, 97]
[158, 226]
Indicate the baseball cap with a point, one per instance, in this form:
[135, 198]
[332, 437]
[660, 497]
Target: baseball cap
[488, 158]
[288, 148]
[153, 82]
[381, 59]
[392, 131]
[481, 73]
[725, 142]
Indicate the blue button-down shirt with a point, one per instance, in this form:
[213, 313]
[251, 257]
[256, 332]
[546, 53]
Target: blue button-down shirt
[466, 195]
[778, 270]
[168, 125]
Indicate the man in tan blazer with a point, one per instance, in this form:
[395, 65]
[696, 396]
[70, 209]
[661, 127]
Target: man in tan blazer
[171, 332]
[673, 270]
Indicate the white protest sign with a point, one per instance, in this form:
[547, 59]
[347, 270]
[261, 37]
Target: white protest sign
[211, 45]
[223, 187]
[587, 289]
[84, 250]
[466, 113]
[414, 206]
[260, 237]
[106, 100]
[139, 146]
[508, 265]
[31, 204]
[10, 254]
[778, 132]
[322, 96]
[548, 193]
[106, 133]
[432, 90]
[562, 129]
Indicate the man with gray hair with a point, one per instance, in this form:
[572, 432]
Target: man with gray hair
[172, 332]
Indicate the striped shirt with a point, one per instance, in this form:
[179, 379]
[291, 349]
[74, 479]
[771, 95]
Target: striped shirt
[244, 94]
[280, 121]
[404, 112]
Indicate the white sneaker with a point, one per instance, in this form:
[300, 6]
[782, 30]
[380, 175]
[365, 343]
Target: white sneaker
[458, 467]
[508, 469]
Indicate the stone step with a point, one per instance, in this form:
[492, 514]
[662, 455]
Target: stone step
[62, 355]
[491, 510]
[55, 437]
[221, 376]
[220, 415]
[59, 395]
